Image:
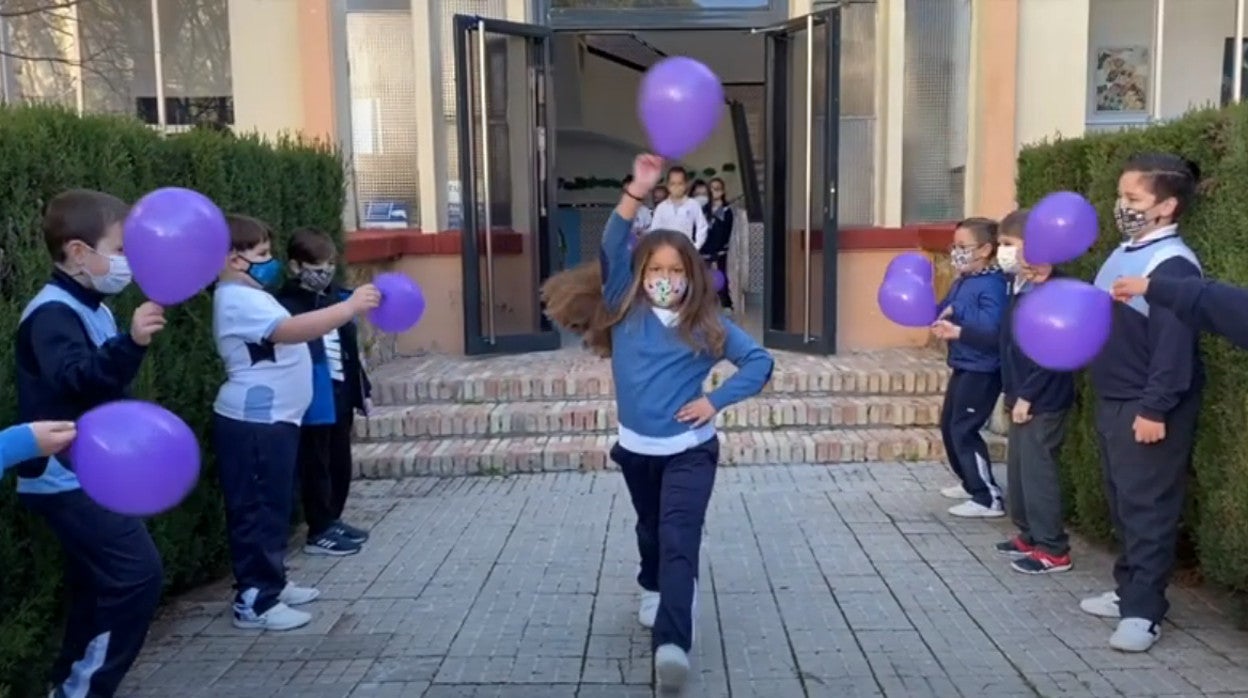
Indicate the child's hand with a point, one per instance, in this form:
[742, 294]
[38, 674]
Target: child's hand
[1149, 432]
[647, 170]
[1021, 414]
[53, 437]
[365, 298]
[697, 413]
[946, 313]
[943, 329]
[1129, 287]
[148, 319]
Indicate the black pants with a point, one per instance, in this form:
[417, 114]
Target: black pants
[670, 495]
[325, 469]
[1145, 485]
[257, 467]
[114, 579]
[1034, 484]
[969, 401]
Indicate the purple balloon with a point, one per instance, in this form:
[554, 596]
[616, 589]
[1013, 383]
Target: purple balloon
[679, 103]
[915, 263]
[402, 303]
[717, 278]
[1059, 229]
[1063, 324]
[135, 458]
[176, 241]
[908, 301]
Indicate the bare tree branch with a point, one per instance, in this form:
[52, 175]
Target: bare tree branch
[50, 6]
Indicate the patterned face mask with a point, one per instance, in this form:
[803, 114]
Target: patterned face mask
[664, 292]
[316, 280]
[1131, 222]
[961, 257]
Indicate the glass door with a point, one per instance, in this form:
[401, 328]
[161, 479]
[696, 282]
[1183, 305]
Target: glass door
[800, 211]
[505, 110]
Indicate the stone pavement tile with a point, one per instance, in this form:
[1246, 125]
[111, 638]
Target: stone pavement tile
[1158, 681]
[756, 646]
[925, 687]
[1075, 684]
[522, 624]
[628, 691]
[768, 688]
[497, 691]
[898, 653]
[553, 575]
[402, 669]
[413, 689]
[618, 659]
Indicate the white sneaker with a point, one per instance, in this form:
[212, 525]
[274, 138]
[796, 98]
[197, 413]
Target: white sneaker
[672, 666]
[1102, 605]
[279, 617]
[648, 609]
[295, 595]
[970, 509]
[1135, 635]
[955, 492]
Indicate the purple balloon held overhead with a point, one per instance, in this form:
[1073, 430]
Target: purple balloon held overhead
[135, 458]
[176, 241]
[1063, 324]
[907, 300]
[680, 102]
[402, 303]
[914, 263]
[1059, 229]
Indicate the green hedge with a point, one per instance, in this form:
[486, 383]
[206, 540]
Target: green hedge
[44, 151]
[1216, 520]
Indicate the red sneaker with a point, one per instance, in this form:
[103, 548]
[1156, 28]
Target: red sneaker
[1014, 547]
[1040, 562]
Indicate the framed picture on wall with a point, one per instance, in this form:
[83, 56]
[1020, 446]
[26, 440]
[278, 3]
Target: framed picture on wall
[1228, 70]
[1121, 83]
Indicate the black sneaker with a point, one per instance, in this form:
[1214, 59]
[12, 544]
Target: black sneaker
[351, 533]
[331, 542]
[1015, 547]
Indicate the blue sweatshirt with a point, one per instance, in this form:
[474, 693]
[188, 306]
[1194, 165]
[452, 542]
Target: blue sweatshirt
[978, 301]
[655, 372]
[1021, 378]
[1202, 304]
[17, 444]
[1152, 356]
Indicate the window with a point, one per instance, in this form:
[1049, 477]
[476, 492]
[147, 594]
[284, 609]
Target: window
[661, 4]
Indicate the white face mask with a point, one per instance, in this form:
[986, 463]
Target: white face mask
[116, 279]
[1007, 259]
[701, 199]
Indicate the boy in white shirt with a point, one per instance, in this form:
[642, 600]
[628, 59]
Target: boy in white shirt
[679, 212]
[256, 419]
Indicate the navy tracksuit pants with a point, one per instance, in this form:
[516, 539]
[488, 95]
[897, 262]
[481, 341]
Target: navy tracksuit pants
[670, 495]
[970, 399]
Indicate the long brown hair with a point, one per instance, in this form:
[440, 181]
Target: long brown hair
[574, 300]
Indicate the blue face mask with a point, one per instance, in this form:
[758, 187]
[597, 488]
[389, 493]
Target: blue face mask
[265, 273]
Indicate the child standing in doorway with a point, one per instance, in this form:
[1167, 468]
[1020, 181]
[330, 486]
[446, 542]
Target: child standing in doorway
[656, 315]
[678, 212]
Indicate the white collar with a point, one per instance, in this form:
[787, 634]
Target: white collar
[1153, 235]
[669, 318]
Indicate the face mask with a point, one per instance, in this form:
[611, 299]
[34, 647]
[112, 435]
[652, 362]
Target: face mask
[701, 199]
[1007, 259]
[1131, 222]
[264, 273]
[116, 279]
[961, 258]
[665, 292]
[316, 280]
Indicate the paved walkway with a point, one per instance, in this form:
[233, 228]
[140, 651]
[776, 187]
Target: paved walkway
[817, 581]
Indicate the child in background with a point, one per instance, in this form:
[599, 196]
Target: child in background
[340, 388]
[641, 223]
[657, 318]
[701, 194]
[71, 358]
[658, 195]
[258, 412]
[1038, 401]
[23, 442]
[975, 304]
[1148, 382]
[719, 236]
[678, 212]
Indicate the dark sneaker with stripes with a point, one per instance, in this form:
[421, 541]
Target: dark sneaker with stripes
[331, 542]
[1014, 547]
[351, 533]
[1040, 562]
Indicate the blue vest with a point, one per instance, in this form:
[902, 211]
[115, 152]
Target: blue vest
[1141, 260]
[100, 327]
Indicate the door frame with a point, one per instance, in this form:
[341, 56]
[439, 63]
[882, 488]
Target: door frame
[776, 221]
[477, 341]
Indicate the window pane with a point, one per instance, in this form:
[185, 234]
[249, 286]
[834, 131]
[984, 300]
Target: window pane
[383, 118]
[662, 4]
[44, 40]
[195, 60]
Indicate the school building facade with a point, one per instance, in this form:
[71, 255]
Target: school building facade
[517, 117]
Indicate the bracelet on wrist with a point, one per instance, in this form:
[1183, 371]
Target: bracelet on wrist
[634, 197]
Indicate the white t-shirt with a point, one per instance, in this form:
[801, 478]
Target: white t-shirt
[685, 217]
[641, 221]
[265, 382]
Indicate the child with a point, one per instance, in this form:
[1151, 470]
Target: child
[641, 223]
[701, 194]
[70, 358]
[340, 387]
[975, 303]
[658, 195]
[719, 236]
[1203, 304]
[679, 213]
[23, 442]
[258, 410]
[1038, 401]
[657, 318]
[1148, 382]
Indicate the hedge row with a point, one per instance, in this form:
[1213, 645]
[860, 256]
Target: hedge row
[44, 151]
[1216, 519]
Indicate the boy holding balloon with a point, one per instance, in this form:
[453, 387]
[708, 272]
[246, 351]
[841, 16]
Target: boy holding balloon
[72, 358]
[258, 413]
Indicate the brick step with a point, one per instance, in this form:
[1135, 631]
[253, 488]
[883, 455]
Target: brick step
[581, 416]
[526, 454]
